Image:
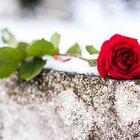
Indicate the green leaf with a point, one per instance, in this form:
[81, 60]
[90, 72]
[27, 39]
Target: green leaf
[75, 49]
[41, 48]
[55, 40]
[91, 49]
[22, 45]
[8, 38]
[92, 63]
[31, 68]
[10, 59]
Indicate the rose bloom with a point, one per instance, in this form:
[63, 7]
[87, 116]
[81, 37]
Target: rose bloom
[120, 58]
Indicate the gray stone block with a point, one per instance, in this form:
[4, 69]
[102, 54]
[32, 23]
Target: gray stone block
[69, 106]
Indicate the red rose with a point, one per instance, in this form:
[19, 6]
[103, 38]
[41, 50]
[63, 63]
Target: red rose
[120, 58]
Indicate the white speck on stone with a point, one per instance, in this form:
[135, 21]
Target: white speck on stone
[127, 102]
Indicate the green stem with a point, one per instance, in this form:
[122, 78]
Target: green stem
[77, 56]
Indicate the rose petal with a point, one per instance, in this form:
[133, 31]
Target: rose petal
[101, 62]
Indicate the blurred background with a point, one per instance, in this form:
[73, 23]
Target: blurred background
[82, 21]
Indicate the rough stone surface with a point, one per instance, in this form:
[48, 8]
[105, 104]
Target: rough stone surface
[65, 106]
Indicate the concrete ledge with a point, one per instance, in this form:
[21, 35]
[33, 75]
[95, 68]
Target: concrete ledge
[65, 106]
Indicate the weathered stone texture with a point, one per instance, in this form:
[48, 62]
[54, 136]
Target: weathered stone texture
[65, 106]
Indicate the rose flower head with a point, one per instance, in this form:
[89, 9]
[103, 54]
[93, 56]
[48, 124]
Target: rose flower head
[119, 57]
